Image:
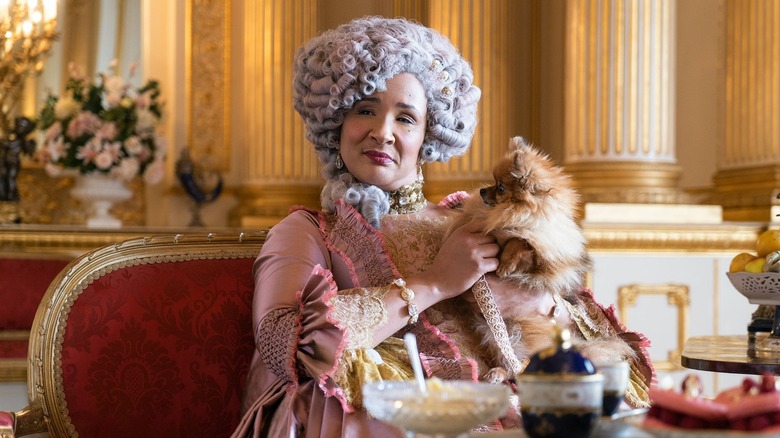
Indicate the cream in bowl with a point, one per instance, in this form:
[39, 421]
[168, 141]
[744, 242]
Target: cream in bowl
[448, 407]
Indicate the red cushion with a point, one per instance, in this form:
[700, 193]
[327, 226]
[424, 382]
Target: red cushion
[23, 282]
[13, 349]
[160, 350]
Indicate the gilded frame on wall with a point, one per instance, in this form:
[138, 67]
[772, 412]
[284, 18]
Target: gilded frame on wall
[677, 295]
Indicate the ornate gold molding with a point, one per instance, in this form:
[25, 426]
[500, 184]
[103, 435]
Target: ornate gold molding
[666, 238]
[748, 193]
[628, 182]
[208, 81]
[264, 205]
[64, 241]
[678, 296]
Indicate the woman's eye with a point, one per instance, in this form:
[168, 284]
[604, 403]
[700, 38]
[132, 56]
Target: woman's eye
[500, 189]
[406, 120]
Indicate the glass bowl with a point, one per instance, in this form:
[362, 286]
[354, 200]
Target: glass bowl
[450, 407]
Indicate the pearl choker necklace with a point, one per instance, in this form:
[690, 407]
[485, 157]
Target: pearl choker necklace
[408, 199]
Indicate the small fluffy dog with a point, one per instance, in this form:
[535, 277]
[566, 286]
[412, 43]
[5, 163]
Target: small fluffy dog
[531, 211]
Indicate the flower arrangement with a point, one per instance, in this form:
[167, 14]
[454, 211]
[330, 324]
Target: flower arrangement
[106, 127]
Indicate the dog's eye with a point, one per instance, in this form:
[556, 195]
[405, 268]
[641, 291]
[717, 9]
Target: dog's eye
[500, 189]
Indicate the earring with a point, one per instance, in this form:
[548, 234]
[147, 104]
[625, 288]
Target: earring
[339, 161]
[419, 170]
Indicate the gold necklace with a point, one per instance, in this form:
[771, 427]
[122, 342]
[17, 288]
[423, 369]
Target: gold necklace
[408, 199]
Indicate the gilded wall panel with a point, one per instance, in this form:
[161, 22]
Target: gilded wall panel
[208, 83]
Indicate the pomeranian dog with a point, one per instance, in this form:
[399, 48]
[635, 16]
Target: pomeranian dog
[531, 211]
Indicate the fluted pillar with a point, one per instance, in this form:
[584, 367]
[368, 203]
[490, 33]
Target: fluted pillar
[279, 164]
[619, 136]
[748, 178]
[500, 40]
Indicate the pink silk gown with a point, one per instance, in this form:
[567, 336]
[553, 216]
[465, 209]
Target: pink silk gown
[319, 283]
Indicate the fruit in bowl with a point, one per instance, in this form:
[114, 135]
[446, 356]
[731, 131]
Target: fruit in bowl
[448, 407]
[757, 275]
[740, 261]
[765, 259]
[768, 241]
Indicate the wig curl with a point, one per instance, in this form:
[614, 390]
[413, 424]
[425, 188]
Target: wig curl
[342, 66]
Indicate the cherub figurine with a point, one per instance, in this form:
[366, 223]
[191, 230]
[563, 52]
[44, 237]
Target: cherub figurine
[10, 150]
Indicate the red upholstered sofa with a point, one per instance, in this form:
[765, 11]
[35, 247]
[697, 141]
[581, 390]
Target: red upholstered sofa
[23, 281]
[149, 337]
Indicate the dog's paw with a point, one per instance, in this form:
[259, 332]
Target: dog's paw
[517, 256]
[496, 375]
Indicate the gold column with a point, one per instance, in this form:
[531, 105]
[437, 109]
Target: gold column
[619, 100]
[281, 167]
[748, 176]
[500, 40]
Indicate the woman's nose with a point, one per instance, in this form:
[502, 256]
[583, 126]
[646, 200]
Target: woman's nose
[382, 132]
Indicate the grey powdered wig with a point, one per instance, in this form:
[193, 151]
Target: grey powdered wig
[342, 66]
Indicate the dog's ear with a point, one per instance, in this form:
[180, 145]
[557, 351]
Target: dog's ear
[518, 143]
[519, 170]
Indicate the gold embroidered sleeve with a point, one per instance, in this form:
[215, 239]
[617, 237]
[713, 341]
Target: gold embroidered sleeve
[359, 312]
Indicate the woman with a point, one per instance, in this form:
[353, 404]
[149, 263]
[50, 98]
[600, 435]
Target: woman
[336, 289]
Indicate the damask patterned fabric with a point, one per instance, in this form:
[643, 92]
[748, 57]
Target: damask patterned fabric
[160, 350]
[23, 282]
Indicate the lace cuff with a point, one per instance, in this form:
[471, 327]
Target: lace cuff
[358, 313]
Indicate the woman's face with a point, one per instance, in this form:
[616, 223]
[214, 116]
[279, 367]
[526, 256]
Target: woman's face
[382, 134]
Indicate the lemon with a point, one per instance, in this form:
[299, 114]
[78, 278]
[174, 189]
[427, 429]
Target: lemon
[739, 261]
[768, 241]
[756, 265]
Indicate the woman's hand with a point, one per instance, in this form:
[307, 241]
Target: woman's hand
[465, 255]
[463, 258]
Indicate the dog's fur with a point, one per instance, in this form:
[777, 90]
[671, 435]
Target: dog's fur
[531, 211]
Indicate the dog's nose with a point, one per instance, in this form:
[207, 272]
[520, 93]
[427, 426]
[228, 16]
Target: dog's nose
[482, 192]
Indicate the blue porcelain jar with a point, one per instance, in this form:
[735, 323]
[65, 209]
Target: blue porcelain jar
[560, 392]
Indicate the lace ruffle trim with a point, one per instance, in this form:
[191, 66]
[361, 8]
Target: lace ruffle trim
[487, 304]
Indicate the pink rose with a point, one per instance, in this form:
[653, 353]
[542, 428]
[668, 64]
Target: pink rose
[104, 160]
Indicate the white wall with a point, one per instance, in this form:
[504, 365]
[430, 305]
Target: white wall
[716, 308]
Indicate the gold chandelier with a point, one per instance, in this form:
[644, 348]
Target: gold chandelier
[27, 30]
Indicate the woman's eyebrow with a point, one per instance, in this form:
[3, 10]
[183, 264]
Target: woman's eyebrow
[399, 104]
[408, 106]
